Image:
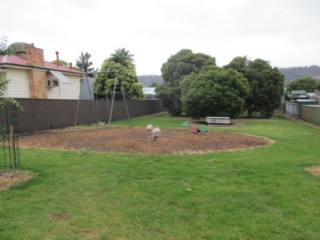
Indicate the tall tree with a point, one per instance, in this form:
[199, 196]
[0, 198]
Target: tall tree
[170, 95]
[84, 63]
[265, 84]
[115, 75]
[240, 64]
[173, 71]
[214, 92]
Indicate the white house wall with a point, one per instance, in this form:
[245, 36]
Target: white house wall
[65, 90]
[18, 86]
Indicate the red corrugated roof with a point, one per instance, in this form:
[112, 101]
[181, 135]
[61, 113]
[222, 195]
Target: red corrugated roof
[16, 60]
[54, 66]
[13, 59]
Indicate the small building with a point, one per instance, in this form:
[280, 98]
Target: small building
[30, 76]
[149, 92]
[298, 94]
[87, 88]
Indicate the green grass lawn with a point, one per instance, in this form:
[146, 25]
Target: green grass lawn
[262, 193]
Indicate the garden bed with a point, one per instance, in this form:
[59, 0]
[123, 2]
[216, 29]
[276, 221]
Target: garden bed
[139, 140]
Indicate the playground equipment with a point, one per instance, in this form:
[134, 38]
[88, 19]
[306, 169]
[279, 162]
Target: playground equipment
[117, 82]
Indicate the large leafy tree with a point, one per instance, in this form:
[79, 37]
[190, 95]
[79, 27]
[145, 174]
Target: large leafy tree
[85, 64]
[306, 83]
[6, 49]
[214, 92]
[173, 71]
[265, 85]
[115, 75]
[170, 97]
[240, 64]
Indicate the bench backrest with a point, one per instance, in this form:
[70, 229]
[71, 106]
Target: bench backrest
[225, 120]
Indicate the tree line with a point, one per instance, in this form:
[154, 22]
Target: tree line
[194, 85]
[308, 84]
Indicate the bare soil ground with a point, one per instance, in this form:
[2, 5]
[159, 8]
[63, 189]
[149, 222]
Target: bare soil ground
[315, 170]
[139, 140]
[134, 140]
[9, 178]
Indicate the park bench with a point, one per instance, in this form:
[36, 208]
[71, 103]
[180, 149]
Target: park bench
[218, 120]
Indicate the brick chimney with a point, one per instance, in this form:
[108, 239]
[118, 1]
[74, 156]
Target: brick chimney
[35, 56]
[37, 77]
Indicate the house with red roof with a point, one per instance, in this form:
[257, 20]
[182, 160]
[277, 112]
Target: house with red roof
[30, 76]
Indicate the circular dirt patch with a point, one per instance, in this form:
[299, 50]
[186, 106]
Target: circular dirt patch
[139, 140]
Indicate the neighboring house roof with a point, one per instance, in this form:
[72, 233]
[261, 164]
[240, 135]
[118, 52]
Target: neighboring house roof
[19, 61]
[149, 90]
[298, 92]
[312, 95]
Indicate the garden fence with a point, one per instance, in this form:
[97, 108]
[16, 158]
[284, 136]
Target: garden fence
[45, 114]
[292, 109]
[308, 113]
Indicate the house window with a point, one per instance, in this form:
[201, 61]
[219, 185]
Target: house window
[53, 83]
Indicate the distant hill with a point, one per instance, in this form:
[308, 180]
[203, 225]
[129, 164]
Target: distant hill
[148, 80]
[293, 73]
[290, 74]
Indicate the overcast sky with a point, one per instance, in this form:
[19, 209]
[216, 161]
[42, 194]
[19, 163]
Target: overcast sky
[284, 32]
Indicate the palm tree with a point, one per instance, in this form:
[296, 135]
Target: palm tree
[122, 56]
[85, 64]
